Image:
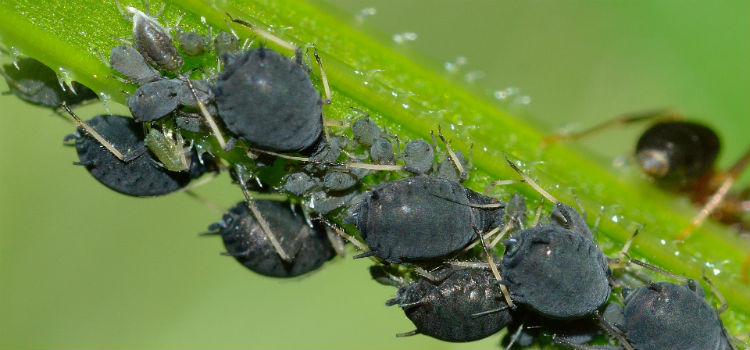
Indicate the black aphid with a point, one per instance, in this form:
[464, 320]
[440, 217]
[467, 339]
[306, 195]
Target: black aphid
[556, 269]
[193, 44]
[422, 218]
[381, 152]
[36, 83]
[244, 239]
[155, 100]
[268, 100]
[665, 315]
[153, 41]
[139, 174]
[418, 157]
[129, 62]
[366, 131]
[463, 304]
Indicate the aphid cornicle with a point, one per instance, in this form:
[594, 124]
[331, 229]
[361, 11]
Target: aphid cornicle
[269, 101]
[422, 218]
[36, 83]
[464, 304]
[248, 244]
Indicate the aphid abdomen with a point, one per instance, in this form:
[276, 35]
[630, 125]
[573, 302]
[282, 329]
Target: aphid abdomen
[154, 43]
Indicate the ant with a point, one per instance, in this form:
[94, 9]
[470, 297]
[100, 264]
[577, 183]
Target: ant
[680, 156]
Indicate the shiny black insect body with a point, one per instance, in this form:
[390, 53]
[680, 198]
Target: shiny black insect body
[556, 269]
[245, 240]
[463, 304]
[677, 153]
[422, 218]
[139, 173]
[269, 101]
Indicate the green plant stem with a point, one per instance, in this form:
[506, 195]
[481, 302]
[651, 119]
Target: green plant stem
[409, 101]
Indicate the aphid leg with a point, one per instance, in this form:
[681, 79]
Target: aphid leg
[609, 328]
[263, 34]
[357, 243]
[338, 166]
[508, 226]
[337, 242]
[619, 261]
[121, 11]
[259, 217]
[558, 340]
[209, 119]
[729, 178]
[488, 235]
[664, 114]
[595, 229]
[724, 306]
[514, 338]
[133, 154]
[426, 274]
[528, 180]
[407, 334]
[460, 167]
[494, 269]
[538, 213]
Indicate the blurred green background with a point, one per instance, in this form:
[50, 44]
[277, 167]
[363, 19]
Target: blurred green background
[84, 267]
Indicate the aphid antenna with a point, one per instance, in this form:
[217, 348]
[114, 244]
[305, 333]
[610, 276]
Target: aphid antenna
[203, 200]
[207, 116]
[462, 172]
[494, 269]
[357, 243]
[723, 301]
[323, 76]
[108, 145]
[473, 205]
[263, 33]
[660, 114]
[508, 226]
[240, 170]
[490, 186]
[529, 181]
[713, 203]
[656, 269]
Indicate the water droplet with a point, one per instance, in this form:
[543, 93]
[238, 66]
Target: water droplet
[615, 218]
[404, 37]
[105, 98]
[663, 242]
[473, 76]
[364, 13]
[405, 106]
[716, 272]
[676, 253]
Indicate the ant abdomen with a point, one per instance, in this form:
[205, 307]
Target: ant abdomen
[677, 153]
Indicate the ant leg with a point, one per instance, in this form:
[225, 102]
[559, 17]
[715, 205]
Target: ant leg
[729, 178]
[108, 145]
[240, 170]
[664, 114]
[209, 119]
[493, 267]
[262, 33]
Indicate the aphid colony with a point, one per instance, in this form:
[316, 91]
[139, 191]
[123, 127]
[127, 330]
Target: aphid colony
[419, 225]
